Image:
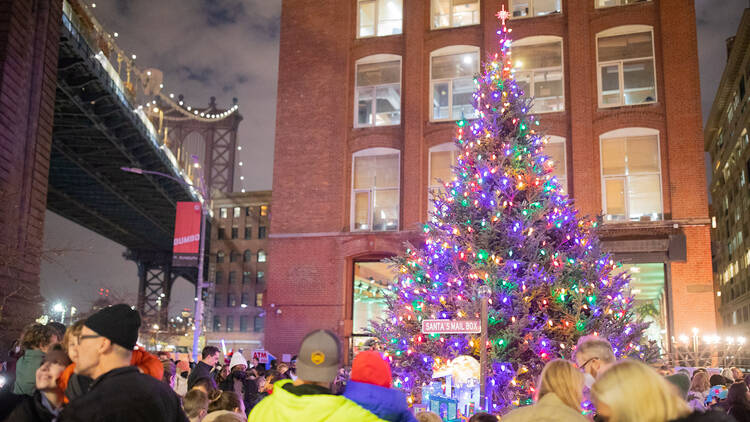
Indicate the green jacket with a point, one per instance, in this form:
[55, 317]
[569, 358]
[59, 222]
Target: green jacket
[282, 406]
[26, 371]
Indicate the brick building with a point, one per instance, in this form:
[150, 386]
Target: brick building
[727, 139]
[238, 270]
[368, 94]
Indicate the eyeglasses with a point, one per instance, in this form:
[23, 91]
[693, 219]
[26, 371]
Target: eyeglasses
[583, 366]
[81, 338]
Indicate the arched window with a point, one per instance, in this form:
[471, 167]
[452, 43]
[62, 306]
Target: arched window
[538, 63]
[452, 71]
[219, 257]
[442, 158]
[555, 149]
[375, 189]
[247, 256]
[261, 256]
[377, 97]
[626, 69]
[631, 175]
[234, 256]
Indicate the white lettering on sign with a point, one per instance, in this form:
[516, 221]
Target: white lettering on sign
[451, 326]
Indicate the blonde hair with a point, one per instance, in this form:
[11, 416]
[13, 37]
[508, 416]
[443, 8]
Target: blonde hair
[428, 417]
[636, 393]
[72, 331]
[564, 380]
[700, 382]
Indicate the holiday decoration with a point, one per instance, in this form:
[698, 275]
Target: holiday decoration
[503, 222]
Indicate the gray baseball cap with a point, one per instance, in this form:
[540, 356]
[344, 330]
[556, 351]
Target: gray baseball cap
[319, 357]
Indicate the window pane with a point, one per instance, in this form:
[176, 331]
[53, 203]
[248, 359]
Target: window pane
[260, 276]
[366, 18]
[519, 8]
[643, 154]
[454, 65]
[261, 232]
[465, 12]
[545, 7]
[385, 210]
[463, 93]
[389, 15]
[263, 210]
[232, 277]
[381, 73]
[548, 91]
[610, 84]
[364, 106]
[523, 81]
[258, 324]
[364, 172]
[259, 299]
[440, 101]
[236, 212]
[613, 156]
[261, 256]
[361, 210]
[223, 213]
[556, 152]
[248, 232]
[371, 281]
[441, 13]
[217, 300]
[217, 323]
[638, 78]
[243, 323]
[538, 56]
[627, 46]
[440, 167]
[235, 232]
[218, 278]
[230, 323]
[386, 171]
[388, 105]
[246, 277]
[644, 194]
[615, 192]
[606, 3]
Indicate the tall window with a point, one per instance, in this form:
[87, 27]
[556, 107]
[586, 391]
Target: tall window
[539, 71]
[452, 13]
[222, 233]
[230, 323]
[263, 210]
[247, 256]
[232, 277]
[248, 232]
[378, 91]
[379, 17]
[260, 277]
[243, 299]
[375, 189]
[529, 8]
[442, 158]
[243, 323]
[258, 324]
[231, 300]
[247, 277]
[217, 323]
[235, 232]
[248, 211]
[219, 257]
[261, 232]
[261, 256]
[452, 71]
[234, 256]
[631, 175]
[218, 277]
[223, 213]
[217, 300]
[370, 290]
[626, 73]
[236, 212]
[259, 300]
[555, 149]
[610, 3]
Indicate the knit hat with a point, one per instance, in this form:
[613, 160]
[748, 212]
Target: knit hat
[370, 368]
[319, 357]
[118, 323]
[682, 382]
[237, 359]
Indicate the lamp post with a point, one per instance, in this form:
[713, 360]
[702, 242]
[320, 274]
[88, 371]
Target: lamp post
[198, 318]
[484, 294]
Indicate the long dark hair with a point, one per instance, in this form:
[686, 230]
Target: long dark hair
[737, 395]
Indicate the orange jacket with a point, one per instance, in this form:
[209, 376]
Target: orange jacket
[145, 361]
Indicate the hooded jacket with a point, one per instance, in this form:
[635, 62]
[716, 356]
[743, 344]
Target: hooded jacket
[370, 387]
[286, 406]
[26, 371]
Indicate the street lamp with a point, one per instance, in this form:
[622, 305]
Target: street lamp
[198, 319]
[59, 307]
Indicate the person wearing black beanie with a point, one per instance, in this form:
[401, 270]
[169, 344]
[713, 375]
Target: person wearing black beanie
[119, 391]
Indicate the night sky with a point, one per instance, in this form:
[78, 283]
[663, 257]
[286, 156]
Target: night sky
[226, 49]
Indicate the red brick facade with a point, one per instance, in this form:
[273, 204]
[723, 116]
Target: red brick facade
[29, 37]
[312, 248]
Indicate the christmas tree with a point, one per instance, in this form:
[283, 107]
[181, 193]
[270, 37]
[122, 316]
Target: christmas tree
[504, 222]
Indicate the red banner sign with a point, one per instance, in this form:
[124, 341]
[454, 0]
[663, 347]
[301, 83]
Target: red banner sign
[187, 233]
[449, 326]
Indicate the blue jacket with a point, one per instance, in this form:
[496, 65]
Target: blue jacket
[386, 403]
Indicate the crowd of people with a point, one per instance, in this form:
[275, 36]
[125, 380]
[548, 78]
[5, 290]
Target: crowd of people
[93, 371]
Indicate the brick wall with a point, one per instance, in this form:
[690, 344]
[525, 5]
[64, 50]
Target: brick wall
[315, 139]
[29, 38]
